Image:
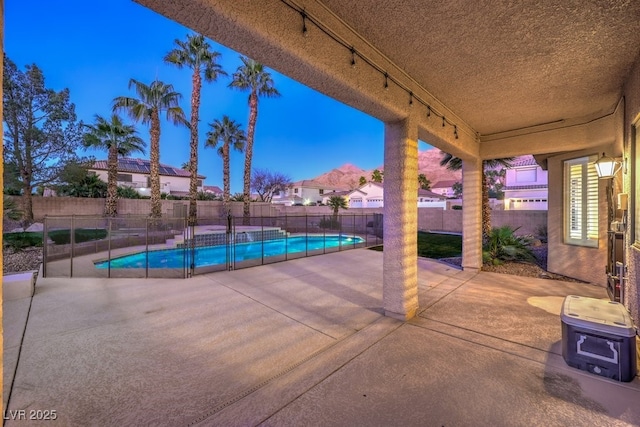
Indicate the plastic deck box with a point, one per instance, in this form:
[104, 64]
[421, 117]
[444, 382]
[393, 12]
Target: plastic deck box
[598, 336]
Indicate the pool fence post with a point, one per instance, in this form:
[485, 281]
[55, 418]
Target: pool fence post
[306, 234]
[71, 236]
[353, 231]
[45, 229]
[286, 239]
[340, 217]
[109, 249]
[324, 237]
[262, 238]
[146, 251]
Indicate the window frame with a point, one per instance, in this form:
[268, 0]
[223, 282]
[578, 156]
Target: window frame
[588, 175]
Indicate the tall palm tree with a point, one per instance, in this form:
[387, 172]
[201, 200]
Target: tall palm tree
[152, 100]
[196, 54]
[251, 76]
[119, 140]
[454, 163]
[230, 135]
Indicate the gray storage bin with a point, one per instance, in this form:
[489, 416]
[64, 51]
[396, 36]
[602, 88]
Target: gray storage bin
[598, 336]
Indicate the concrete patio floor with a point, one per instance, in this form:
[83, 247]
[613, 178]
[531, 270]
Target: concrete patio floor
[303, 343]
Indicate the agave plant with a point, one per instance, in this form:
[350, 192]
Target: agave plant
[503, 245]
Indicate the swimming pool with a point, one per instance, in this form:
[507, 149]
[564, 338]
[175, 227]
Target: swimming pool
[216, 255]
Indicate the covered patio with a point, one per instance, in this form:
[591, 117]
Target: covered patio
[480, 81]
[302, 343]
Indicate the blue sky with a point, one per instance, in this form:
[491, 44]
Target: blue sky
[94, 48]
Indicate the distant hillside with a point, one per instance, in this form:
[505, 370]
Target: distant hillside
[348, 175]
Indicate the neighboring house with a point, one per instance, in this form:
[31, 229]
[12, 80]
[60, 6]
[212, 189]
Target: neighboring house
[304, 192]
[327, 196]
[526, 186]
[213, 189]
[430, 199]
[135, 173]
[444, 188]
[371, 195]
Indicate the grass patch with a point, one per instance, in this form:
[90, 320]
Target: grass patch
[432, 245]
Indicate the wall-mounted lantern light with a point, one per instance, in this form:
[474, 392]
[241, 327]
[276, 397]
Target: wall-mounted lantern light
[607, 167]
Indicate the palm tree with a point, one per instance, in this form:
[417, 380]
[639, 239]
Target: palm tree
[152, 100]
[455, 164]
[119, 140]
[227, 132]
[376, 176]
[196, 54]
[251, 76]
[423, 182]
[362, 181]
[336, 203]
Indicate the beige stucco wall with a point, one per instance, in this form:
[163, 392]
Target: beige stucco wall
[632, 110]
[61, 206]
[580, 262]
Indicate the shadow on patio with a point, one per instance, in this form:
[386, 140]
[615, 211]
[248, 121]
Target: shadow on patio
[303, 343]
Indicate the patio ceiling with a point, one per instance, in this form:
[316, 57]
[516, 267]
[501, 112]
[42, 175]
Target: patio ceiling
[504, 64]
[496, 65]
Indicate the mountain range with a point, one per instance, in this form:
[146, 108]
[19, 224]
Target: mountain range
[348, 176]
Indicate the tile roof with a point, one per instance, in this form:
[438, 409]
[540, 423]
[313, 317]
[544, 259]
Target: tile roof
[427, 193]
[526, 187]
[142, 166]
[524, 161]
[310, 183]
[445, 184]
[212, 189]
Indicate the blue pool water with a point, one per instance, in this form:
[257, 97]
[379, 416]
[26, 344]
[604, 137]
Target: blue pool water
[215, 255]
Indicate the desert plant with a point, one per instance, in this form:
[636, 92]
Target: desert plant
[128, 193]
[11, 209]
[503, 245]
[20, 241]
[329, 223]
[541, 232]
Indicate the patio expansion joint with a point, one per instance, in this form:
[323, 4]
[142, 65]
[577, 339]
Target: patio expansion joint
[276, 310]
[443, 282]
[315, 355]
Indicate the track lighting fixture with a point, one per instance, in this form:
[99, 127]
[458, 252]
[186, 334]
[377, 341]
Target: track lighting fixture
[305, 32]
[366, 61]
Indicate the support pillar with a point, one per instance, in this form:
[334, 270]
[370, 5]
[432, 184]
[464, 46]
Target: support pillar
[400, 262]
[472, 214]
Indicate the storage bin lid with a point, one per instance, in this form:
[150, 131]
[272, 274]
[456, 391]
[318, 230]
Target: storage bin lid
[597, 315]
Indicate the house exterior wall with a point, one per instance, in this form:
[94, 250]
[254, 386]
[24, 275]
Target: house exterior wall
[537, 199]
[139, 182]
[631, 186]
[526, 199]
[580, 262]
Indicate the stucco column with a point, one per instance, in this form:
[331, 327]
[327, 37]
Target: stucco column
[472, 214]
[400, 273]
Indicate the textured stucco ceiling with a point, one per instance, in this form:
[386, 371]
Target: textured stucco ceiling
[507, 64]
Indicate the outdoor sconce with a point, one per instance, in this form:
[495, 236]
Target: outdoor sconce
[607, 167]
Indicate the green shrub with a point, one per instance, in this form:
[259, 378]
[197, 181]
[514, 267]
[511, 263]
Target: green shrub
[63, 237]
[503, 245]
[128, 193]
[19, 241]
[330, 223]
